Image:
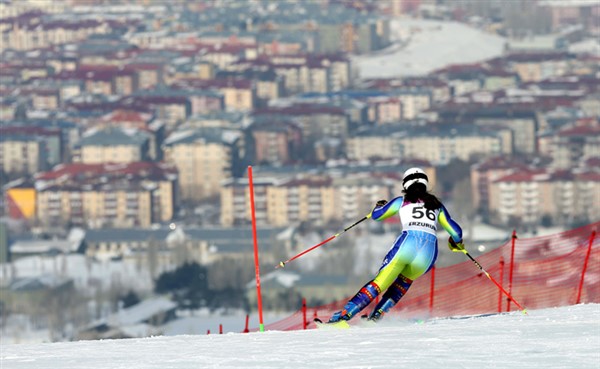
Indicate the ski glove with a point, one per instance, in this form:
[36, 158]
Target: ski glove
[380, 203]
[455, 246]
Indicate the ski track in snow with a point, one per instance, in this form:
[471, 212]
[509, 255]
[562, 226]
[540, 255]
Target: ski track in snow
[566, 337]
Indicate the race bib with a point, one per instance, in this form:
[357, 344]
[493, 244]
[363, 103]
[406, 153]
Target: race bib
[417, 217]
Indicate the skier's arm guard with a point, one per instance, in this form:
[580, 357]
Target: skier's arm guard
[387, 210]
[450, 225]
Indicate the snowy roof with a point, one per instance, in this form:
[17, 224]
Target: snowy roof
[45, 281]
[282, 278]
[112, 136]
[285, 279]
[568, 3]
[202, 135]
[141, 312]
[44, 246]
[223, 239]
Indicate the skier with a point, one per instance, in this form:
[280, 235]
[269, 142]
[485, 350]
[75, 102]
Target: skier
[413, 253]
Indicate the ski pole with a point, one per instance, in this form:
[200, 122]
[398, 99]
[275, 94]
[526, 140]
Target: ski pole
[523, 310]
[282, 263]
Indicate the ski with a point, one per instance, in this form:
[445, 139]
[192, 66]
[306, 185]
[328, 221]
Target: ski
[342, 324]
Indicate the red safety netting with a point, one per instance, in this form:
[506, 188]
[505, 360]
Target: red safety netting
[540, 272]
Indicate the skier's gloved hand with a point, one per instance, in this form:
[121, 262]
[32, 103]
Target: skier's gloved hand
[380, 203]
[455, 246]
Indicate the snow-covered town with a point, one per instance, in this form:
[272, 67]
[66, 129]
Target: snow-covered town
[128, 127]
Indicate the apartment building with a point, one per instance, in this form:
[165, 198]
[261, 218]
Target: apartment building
[370, 144]
[315, 120]
[278, 203]
[443, 148]
[413, 102]
[485, 173]
[386, 104]
[100, 79]
[385, 109]
[534, 67]
[573, 145]
[235, 201]
[317, 199]
[42, 98]
[122, 205]
[291, 74]
[22, 154]
[301, 199]
[350, 35]
[28, 31]
[238, 94]
[113, 145]
[303, 73]
[194, 69]
[170, 109]
[173, 105]
[204, 158]
[355, 195]
[276, 141]
[435, 143]
[340, 71]
[148, 75]
[30, 130]
[432, 84]
[221, 55]
[561, 197]
[98, 195]
[565, 13]
[269, 86]
[524, 123]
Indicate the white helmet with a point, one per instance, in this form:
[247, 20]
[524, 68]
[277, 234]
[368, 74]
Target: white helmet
[414, 175]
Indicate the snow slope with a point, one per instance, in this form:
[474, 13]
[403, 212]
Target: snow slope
[422, 46]
[567, 337]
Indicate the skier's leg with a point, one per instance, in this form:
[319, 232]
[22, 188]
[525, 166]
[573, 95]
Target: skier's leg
[391, 297]
[393, 264]
[421, 264]
[362, 298]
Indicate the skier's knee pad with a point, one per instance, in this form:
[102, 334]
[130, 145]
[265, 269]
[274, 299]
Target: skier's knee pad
[366, 294]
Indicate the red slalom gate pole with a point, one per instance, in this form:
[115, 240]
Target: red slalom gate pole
[431, 290]
[246, 330]
[585, 264]
[256, 263]
[304, 320]
[512, 266]
[501, 281]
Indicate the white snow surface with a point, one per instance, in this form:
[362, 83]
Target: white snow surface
[422, 46]
[566, 337]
